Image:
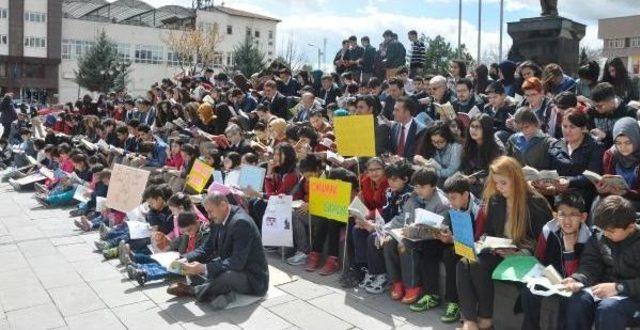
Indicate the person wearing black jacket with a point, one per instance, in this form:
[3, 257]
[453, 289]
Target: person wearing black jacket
[610, 268]
[367, 60]
[232, 260]
[608, 109]
[7, 115]
[277, 103]
[328, 92]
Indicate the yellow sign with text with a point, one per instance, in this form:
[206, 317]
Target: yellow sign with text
[355, 136]
[199, 175]
[329, 199]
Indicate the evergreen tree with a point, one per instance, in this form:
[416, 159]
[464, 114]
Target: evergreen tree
[439, 53]
[248, 58]
[101, 69]
[584, 58]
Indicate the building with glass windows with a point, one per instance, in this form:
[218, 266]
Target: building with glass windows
[621, 36]
[41, 41]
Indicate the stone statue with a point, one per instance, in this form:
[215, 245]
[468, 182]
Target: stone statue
[549, 7]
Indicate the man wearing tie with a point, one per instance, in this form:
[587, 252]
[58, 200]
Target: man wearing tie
[231, 261]
[405, 132]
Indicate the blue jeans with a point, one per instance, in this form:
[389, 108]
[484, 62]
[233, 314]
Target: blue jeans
[154, 270]
[96, 221]
[609, 313]
[61, 198]
[359, 239]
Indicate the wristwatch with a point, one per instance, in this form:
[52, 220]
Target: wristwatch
[619, 287]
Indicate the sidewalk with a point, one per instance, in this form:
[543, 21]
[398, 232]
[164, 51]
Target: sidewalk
[51, 279]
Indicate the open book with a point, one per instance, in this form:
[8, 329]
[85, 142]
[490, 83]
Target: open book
[549, 176]
[615, 181]
[490, 243]
[445, 110]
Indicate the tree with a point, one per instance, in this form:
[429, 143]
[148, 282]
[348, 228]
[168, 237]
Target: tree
[291, 56]
[194, 47]
[101, 68]
[584, 58]
[248, 58]
[439, 53]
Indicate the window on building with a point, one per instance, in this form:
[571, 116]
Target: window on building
[72, 49]
[616, 43]
[33, 71]
[149, 54]
[36, 17]
[270, 43]
[35, 42]
[3, 39]
[269, 53]
[3, 70]
[270, 34]
[217, 60]
[4, 13]
[256, 33]
[229, 29]
[228, 58]
[173, 58]
[635, 42]
[124, 51]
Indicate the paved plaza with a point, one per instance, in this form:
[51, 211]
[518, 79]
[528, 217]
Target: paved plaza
[51, 278]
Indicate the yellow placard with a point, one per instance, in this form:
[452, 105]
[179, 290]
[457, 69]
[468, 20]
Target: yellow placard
[464, 251]
[329, 199]
[355, 136]
[199, 175]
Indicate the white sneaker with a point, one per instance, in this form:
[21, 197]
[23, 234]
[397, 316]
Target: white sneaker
[367, 280]
[378, 285]
[298, 259]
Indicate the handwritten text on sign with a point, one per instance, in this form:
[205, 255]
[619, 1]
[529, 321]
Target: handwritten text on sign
[199, 175]
[329, 199]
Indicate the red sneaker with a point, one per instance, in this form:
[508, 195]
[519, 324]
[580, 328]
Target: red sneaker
[411, 295]
[313, 262]
[330, 266]
[397, 290]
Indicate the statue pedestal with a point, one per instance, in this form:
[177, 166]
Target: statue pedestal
[548, 40]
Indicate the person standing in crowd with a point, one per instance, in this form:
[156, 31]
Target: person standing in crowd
[481, 79]
[418, 53]
[341, 59]
[617, 75]
[354, 58]
[507, 70]
[395, 54]
[367, 60]
[7, 115]
[588, 78]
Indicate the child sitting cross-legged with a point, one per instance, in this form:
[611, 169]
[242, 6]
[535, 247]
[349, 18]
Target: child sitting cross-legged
[143, 268]
[607, 284]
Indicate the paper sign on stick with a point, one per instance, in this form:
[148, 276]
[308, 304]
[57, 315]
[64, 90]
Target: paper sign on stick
[126, 187]
[329, 199]
[463, 242]
[199, 175]
[277, 229]
[355, 136]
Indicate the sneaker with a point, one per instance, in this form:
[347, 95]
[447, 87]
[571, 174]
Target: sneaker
[140, 276]
[298, 259]
[110, 253]
[378, 285]
[180, 289]
[351, 278]
[367, 280]
[42, 200]
[102, 245]
[452, 313]
[397, 291]
[313, 262]
[84, 226]
[132, 269]
[124, 253]
[330, 266]
[76, 213]
[103, 230]
[411, 295]
[425, 303]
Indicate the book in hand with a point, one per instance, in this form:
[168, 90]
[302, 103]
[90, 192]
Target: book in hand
[546, 176]
[358, 209]
[488, 244]
[615, 181]
[445, 110]
[334, 157]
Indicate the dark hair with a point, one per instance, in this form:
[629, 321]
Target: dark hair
[614, 212]
[485, 153]
[590, 71]
[235, 158]
[525, 115]
[311, 163]
[310, 133]
[426, 149]
[162, 191]
[571, 199]
[565, 100]
[603, 91]
[495, 87]
[144, 128]
[537, 70]
[186, 219]
[482, 78]
[621, 82]
[456, 183]
[395, 81]
[288, 155]
[250, 158]
[577, 117]
[424, 176]
[25, 131]
[344, 175]
[400, 169]
[146, 147]
[409, 104]
[365, 38]
[465, 81]
[462, 67]
[180, 199]
[413, 32]
[371, 101]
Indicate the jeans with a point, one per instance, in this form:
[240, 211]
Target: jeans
[95, 222]
[375, 256]
[433, 252]
[61, 198]
[300, 223]
[152, 268]
[359, 239]
[475, 286]
[609, 313]
[402, 264]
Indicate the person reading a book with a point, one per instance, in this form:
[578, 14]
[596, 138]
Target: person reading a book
[576, 152]
[500, 110]
[606, 286]
[514, 210]
[403, 256]
[439, 150]
[529, 146]
[623, 159]
[466, 99]
[231, 261]
[64, 190]
[560, 245]
[480, 149]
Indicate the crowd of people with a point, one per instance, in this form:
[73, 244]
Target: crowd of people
[443, 142]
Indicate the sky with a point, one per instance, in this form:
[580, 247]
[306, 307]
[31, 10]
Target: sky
[307, 22]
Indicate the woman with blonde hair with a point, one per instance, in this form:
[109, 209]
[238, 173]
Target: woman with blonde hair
[206, 118]
[513, 209]
[277, 131]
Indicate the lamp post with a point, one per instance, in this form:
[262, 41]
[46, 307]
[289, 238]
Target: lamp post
[320, 53]
[459, 28]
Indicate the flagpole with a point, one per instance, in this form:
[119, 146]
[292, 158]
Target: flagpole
[501, 23]
[479, 29]
[459, 28]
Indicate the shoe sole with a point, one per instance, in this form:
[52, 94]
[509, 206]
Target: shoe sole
[300, 263]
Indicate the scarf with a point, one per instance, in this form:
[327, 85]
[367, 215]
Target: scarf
[628, 127]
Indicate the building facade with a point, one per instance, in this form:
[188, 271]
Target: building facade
[621, 38]
[41, 41]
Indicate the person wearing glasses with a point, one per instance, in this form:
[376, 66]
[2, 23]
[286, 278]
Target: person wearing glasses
[439, 150]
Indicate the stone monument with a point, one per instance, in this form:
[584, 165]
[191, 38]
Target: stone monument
[549, 38]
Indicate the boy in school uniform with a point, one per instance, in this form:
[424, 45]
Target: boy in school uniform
[610, 270]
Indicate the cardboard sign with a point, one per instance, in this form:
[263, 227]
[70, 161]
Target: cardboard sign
[277, 229]
[329, 199]
[463, 241]
[355, 136]
[199, 175]
[126, 187]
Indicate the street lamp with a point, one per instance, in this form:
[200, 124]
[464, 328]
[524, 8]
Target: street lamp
[320, 53]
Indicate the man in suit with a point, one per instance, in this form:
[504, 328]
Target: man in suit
[231, 261]
[277, 103]
[328, 92]
[237, 142]
[406, 132]
[305, 107]
[366, 105]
